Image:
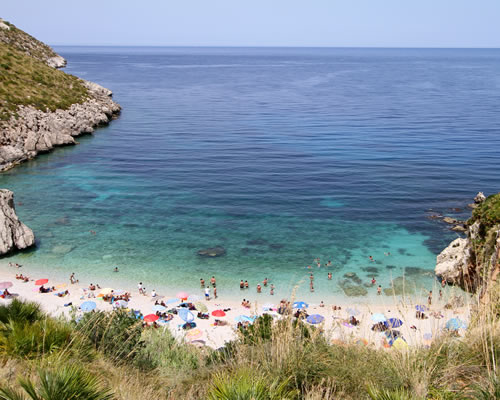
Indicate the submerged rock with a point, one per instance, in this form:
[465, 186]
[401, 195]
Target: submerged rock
[14, 235]
[62, 249]
[353, 290]
[217, 251]
[371, 270]
[399, 287]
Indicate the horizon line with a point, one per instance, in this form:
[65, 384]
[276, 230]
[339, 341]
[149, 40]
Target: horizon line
[277, 46]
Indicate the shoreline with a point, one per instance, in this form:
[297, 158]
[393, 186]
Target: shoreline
[217, 336]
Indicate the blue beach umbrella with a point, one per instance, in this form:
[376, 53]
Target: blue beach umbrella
[300, 305]
[172, 301]
[244, 318]
[159, 307]
[393, 323]
[315, 319]
[455, 324]
[88, 306]
[420, 308]
[379, 318]
[185, 315]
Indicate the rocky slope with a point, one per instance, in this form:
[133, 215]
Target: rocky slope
[41, 107]
[14, 235]
[473, 262]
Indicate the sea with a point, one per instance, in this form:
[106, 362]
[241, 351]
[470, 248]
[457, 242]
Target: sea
[280, 156]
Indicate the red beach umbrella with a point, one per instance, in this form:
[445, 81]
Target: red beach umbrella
[218, 313]
[41, 282]
[151, 318]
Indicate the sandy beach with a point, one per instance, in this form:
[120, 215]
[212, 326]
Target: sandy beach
[335, 324]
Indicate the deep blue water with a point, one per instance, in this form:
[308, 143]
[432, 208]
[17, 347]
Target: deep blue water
[279, 155]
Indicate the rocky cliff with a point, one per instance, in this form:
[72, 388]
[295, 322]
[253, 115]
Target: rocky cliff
[473, 262]
[41, 107]
[14, 235]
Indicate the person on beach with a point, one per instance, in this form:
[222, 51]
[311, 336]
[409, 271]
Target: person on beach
[259, 288]
[321, 304]
[329, 276]
[153, 293]
[429, 298]
[202, 282]
[207, 293]
[264, 282]
[212, 281]
[440, 294]
[215, 292]
[72, 278]
[139, 287]
[246, 285]
[379, 290]
[242, 284]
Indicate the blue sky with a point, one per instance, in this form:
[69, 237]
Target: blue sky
[366, 23]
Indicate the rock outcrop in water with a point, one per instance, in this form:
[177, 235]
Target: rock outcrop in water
[43, 107]
[14, 235]
[217, 251]
[473, 263]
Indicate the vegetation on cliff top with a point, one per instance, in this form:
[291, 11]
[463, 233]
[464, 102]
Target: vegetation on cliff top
[488, 212]
[26, 80]
[21, 41]
[29, 82]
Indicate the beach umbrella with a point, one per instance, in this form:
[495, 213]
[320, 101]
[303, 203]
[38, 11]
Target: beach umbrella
[400, 344]
[106, 291]
[182, 295]
[379, 318]
[194, 334]
[40, 282]
[218, 313]
[185, 315]
[315, 319]
[5, 285]
[151, 318]
[455, 324]
[353, 311]
[88, 306]
[193, 298]
[201, 307]
[300, 305]
[173, 301]
[244, 318]
[159, 307]
[420, 308]
[393, 323]
[120, 304]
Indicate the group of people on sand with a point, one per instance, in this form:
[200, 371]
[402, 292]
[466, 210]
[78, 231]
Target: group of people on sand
[22, 277]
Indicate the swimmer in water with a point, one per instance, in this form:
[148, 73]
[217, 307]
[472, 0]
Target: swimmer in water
[259, 288]
[329, 276]
[242, 285]
[264, 282]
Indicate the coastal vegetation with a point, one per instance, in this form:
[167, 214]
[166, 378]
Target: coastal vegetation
[110, 356]
[27, 81]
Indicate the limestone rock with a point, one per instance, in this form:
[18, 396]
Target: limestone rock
[56, 62]
[14, 235]
[3, 25]
[452, 261]
[450, 220]
[480, 197]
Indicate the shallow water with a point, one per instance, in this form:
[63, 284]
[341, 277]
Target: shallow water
[278, 155]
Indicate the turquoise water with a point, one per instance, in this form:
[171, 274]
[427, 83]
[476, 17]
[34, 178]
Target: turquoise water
[278, 155]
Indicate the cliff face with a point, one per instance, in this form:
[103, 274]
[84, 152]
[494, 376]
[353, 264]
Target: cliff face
[473, 262]
[14, 235]
[41, 107]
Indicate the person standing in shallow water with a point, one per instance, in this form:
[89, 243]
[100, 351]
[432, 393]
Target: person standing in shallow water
[242, 284]
[379, 290]
[202, 282]
[215, 292]
[329, 276]
[212, 281]
[264, 282]
[272, 289]
[246, 285]
[429, 298]
[259, 288]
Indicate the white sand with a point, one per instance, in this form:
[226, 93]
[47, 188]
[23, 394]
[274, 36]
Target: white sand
[216, 336]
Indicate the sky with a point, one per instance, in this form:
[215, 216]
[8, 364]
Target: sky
[308, 23]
